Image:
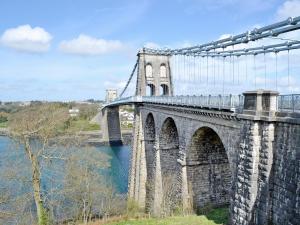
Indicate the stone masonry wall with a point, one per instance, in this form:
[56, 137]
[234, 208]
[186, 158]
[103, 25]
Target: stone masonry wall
[170, 168]
[285, 196]
[208, 170]
[267, 179]
[150, 161]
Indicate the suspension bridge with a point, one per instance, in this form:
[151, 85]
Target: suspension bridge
[216, 123]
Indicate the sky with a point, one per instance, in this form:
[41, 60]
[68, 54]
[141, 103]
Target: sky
[75, 49]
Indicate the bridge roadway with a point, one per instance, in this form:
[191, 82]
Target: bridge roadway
[227, 103]
[232, 103]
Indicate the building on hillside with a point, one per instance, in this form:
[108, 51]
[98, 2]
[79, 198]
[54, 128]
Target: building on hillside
[73, 112]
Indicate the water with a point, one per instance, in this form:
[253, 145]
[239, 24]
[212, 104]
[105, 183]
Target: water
[117, 172]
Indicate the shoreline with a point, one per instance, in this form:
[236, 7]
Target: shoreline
[93, 137]
[3, 131]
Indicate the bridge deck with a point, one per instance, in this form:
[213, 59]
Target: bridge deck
[233, 103]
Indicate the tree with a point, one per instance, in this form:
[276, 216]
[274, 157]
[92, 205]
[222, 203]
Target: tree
[36, 127]
[85, 185]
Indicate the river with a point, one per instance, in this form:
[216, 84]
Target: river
[118, 159]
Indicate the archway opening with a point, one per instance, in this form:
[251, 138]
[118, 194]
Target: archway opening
[150, 90]
[208, 170]
[149, 72]
[164, 89]
[163, 71]
[170, 168]
[150, 160]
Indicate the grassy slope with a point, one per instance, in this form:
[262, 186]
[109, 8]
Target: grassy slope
[215, 217]
[83, 125]
[3, 125]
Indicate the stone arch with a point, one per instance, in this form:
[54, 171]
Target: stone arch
[164, 89]
[163, 70]
[208, 170]
[170, 168]
[149, 132]
[149, 70]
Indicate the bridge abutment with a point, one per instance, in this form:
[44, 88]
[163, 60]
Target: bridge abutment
[264, 190]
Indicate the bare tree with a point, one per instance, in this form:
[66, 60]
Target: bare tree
[35, 127]
[85, 184]
[48, 153]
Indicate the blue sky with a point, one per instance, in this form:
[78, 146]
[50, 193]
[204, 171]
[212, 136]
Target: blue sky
[75, 49]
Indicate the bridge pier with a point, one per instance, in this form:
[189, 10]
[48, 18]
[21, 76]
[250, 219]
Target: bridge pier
[251, 203]
[138, 170]
[186, 199]
[110, 125]
[158, 189]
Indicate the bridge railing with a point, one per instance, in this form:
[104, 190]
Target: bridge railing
[234, 103]
[231, 102]
[289, 103]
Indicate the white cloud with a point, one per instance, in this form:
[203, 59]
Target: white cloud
[288, 9]
[86, 45]
[27, 39]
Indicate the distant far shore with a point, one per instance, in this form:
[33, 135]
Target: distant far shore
[94, 137]
[3, 131]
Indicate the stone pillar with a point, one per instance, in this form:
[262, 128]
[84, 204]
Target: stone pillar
[158, 190]
[250, 203]
[138, 170]
[186, 204]
[141, 75]
[110, 125]
[132, 171]
[264, 185]
[142, 172]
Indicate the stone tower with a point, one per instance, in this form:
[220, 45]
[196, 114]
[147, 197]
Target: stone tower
[154, 75]
[111, 95]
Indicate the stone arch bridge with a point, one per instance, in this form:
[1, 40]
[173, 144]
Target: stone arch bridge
[246, 158]
[193, 151]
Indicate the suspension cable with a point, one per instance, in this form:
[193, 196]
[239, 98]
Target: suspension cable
[207, 69]
[223, 75]
[288, 69]
[276, 70]
[265, 67]
[254, 62]
[131, 75]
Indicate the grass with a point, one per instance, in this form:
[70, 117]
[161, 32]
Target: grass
[3, 125]
[214, 217]
[83, 125]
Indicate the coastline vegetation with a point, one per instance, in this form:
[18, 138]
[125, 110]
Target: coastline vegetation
[48, 151]
[84, 196]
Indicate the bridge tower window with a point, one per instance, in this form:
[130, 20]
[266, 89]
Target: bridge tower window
[150, 90]
[164, 89]
[163, 70]
[208, 169]
[149, 72]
